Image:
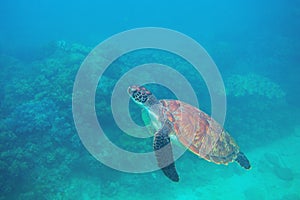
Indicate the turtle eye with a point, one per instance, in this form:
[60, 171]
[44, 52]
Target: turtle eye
[148, 92]
[145, 90]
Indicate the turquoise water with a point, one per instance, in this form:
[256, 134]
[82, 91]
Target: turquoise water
[255, 45]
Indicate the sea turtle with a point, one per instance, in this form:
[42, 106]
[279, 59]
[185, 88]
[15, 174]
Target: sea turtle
[196, 130]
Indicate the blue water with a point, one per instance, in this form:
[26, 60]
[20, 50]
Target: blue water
[255, 45]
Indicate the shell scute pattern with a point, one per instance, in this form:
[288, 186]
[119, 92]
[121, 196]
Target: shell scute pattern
[200, 133]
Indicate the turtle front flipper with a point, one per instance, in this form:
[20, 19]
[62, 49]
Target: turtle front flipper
[163, 152]
[243, 160]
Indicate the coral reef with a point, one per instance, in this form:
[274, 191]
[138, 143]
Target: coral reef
[33, 117]
[256, 106]
[253, 84]
[42, 156]
[37, 131]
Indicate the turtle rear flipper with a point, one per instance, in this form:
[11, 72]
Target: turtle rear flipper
[164, 154]
[243, 160]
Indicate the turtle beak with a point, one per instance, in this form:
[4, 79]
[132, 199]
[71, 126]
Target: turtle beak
[132, 89]
[129, 91]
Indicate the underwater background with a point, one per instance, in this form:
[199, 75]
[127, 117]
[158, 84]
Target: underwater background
[255, 44]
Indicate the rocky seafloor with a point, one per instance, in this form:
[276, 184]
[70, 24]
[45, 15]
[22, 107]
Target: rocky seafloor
[42, 156]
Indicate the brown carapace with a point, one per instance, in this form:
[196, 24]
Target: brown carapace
[196, 130]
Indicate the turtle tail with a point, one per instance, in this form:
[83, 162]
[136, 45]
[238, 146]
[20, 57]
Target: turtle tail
[243, 160]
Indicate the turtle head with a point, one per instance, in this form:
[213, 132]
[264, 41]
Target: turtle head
[141, 95]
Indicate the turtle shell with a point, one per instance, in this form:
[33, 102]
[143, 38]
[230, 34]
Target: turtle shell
[200, 133]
